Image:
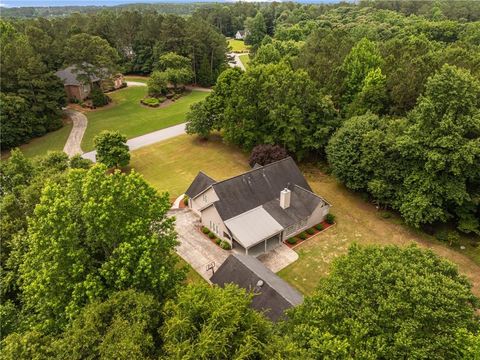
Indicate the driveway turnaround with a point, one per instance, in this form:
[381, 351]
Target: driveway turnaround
[237, 62]
[72, 146]
[194, 247]
[278, 258]
[147, 139]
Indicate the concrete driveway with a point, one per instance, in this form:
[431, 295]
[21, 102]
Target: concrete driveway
[194, 247]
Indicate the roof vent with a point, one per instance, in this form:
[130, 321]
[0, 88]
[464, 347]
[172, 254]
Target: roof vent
[285, 195]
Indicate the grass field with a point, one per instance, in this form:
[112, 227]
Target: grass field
[171, 166]
[142, 79]
[237, 45]
[130, 118]
[245, 59]
[40, 146]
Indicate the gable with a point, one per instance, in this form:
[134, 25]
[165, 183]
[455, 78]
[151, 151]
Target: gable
[201, 182]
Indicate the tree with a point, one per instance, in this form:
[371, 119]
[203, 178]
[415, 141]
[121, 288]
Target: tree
[176, 69]
[363, 58]
[122, 327]
[112, 149]
[443, 147]
[266, 154]
[256, 29]
[157, 84]
[17, 121]
[213, 323]
[387, 303]
[267, 54]
[93, 235]
[178, 76]
[91, 54]
[200, 120]
[372, 96]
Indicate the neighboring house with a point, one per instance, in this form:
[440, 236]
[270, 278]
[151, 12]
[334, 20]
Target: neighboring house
[272, 294]
[240, 35]
[78, 87]
[255, 211]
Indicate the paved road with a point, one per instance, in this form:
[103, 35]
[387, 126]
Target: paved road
[237, 62]
[72, 146]
[136, 83]
[147, 139]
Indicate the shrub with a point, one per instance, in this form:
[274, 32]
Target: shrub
[311, 231]
[330, 218]
[211, 235]
[442, 235]
[225, 245]
[218, 241]
[185, 200]
[302, 236]
[151, 101]
[98, 97]
[266, 154]
[292, 240]
[205, 230]
[157, 84]
[453, 238]
[319, 227]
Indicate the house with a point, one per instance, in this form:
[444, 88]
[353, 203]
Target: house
[240, 35]
[272, 294]
[79, 86]
[257, 210]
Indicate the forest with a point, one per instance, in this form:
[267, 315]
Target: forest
[385, 95]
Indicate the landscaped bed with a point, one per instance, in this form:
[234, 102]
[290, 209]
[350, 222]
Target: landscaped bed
[216, 240]
[309, 233]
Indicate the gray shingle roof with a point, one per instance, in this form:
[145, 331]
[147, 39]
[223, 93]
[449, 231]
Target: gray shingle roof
[302, 204]
[200, 183]
[256, 187]
[70, 74]
[274, 296]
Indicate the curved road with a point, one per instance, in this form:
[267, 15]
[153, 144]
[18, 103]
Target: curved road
[72, 147]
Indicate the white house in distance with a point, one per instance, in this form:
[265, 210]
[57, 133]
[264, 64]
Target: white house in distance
[240, 35]
[255, 211]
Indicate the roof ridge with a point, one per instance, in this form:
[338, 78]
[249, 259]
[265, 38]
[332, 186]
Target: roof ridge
[252, 170]
[311, 192]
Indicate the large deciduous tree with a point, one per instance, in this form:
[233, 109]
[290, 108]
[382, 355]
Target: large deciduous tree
[387, 303]
[443, 146]
[112, 149]
[214, 323]
[93, 235]
[256, 29]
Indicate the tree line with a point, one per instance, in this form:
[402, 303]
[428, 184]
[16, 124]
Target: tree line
[74, 288]
[390, 102]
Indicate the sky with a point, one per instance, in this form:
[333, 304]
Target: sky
[17, 3]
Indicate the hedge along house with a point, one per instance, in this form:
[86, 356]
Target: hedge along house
[78, 85]
[259, 209]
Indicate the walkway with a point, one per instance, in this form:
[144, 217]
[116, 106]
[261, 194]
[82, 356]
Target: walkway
[147, 139]
[72, 146]
[136, 83]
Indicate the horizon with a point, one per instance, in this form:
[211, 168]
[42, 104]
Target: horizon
[111, 3]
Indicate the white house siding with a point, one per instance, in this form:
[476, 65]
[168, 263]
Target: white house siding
[203, 200]
[211, 219]
[317, 217]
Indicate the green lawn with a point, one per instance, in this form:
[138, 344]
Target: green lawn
[245, 59]
[237, 45]
[142, 79]
[130, 118]
[54, 140]
[171, 166]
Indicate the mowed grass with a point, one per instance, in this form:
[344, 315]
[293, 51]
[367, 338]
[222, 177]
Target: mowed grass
[53, 141]
[360, 222]
[131, 119]
[245, 59]
[171, 166]
[237, 45]
[137, 78]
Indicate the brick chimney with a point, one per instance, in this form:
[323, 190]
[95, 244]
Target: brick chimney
[285, 198]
